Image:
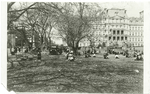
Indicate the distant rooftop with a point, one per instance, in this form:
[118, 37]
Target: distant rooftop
[116, 12]
[135, 20]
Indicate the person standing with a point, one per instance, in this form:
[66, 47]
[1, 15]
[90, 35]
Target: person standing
[39, 54]
[19, 49]
[105, 55]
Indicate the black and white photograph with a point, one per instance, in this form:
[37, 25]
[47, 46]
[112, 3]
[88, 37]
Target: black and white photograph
[75, 47]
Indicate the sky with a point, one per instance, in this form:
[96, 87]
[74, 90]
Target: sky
[133, 8]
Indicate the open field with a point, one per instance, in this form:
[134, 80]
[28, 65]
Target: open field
[84, 75]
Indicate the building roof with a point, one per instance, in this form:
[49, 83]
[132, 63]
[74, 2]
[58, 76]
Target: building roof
[135, 20]
[113, 12]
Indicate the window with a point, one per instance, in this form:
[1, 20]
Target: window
[121, 38]
[134, 44]
[117, 31]
[121, 31]
[139, 33]
[138, 28]
[135, 39]
[125, 38]
[116, 13]
[114, 38]
[109, 38]
[118, 38]
[114, 31]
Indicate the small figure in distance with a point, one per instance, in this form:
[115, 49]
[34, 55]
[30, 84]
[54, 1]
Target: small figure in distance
[39, 54]
[87, 54]
[116, 56]
[70, 56]
[67, 53]
[139, 56]
[94, 53]
[105, 55]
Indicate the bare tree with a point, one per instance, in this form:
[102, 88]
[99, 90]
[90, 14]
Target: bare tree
[72, 20]
[15, 14]
[75, 21]
[39, 20]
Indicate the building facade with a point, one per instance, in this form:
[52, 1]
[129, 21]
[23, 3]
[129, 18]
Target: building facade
[117, 28]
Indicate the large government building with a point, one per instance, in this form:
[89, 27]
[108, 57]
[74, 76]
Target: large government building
[117, 27]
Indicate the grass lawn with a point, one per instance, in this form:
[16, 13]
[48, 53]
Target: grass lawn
[84, 75]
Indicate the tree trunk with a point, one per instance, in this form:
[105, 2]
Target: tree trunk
[75, 48]
[75, 51]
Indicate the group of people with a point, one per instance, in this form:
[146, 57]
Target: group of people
[105, 55]
[71, 57]
[138, 55]
[15, 50]
[89, 52]
[19, 49]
